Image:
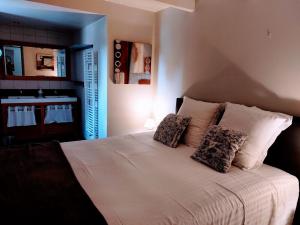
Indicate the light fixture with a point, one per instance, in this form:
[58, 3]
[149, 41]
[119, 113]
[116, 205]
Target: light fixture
[158, 5]
[150, 124]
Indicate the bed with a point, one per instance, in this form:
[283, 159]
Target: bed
[133, 179]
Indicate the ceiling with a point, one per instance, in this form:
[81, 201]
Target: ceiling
[152, 6]
[33, 14]
[158, 5]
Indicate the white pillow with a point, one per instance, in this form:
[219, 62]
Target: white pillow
[262, 127]
[203, 114]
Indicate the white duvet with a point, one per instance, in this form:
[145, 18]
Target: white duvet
[134, 180]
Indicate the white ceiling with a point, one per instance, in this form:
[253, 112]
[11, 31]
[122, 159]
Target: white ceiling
[34, 14]
[158, 5]
[142, 4]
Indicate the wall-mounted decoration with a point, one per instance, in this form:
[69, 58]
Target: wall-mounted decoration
[44, 61]
[132, 62]
[19, 61]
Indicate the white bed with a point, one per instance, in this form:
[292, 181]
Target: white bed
[134, 180]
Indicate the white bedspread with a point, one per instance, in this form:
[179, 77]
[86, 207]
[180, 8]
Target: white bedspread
[134, 180]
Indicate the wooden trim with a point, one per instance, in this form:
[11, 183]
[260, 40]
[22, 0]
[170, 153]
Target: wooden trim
[2, 69]
[68, 64]
[22, 60]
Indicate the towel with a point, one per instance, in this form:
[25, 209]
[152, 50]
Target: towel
[19, 116]
[58, 114]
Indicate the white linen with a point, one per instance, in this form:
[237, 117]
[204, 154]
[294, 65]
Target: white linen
[58, 114]
[262, 128]
[19, 116]
[134, 180]
[203, 114]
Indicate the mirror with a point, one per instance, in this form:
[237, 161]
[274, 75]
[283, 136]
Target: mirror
[29, 62]
[132, 62]
[13, 60]
[44, 62]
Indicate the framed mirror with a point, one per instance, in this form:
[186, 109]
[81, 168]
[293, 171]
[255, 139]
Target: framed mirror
[132, 62]
[28, 62]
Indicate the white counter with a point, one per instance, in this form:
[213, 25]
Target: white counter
[37, 100]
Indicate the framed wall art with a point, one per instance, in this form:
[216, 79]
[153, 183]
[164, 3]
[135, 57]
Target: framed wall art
[132, 62]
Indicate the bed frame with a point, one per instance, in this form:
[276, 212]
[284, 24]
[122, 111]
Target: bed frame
[284, 153]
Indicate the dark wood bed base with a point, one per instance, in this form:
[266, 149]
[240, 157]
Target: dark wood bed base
[284, 153]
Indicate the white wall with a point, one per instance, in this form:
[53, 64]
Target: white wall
[241, 51]
[128, 105]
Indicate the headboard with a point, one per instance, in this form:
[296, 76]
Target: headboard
[284, 153]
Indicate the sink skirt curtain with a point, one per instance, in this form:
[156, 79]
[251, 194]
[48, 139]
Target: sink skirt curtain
[19, 116]
[58, 114]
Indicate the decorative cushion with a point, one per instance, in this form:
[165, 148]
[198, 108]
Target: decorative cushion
[262, 128]
[203, 114]
[170, 129]
[218, 148]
